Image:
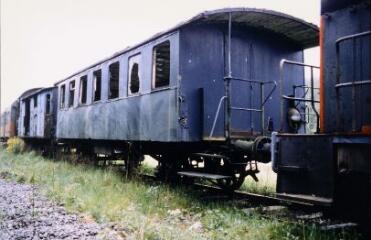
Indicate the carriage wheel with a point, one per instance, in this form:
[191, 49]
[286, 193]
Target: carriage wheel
[170, 165]
[233, 183]
[132, 160]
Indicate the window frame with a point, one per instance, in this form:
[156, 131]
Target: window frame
[62, 97]
[83, 78]
[69, 93]
[48, 105]
[94, 85]
[35, 103]
[134, 56]
[153, 77]
[109, 81]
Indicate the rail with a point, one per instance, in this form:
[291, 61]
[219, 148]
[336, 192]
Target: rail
[228, 107]
[352, 83]
[299, 99]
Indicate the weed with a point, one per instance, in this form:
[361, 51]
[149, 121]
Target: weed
[15, 145]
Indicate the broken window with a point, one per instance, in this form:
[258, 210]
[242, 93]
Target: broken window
[71, 93]
[97, 85]
[161, 65]
[114, 73]
[35, 101]
[62, 96]
[47, 104]
[83, 89]
[134, 76]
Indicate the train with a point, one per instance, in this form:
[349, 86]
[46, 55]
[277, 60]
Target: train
[215, 95]
[332, 166]
[200, 97]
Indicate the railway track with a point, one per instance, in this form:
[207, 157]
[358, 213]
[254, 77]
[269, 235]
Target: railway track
[272, 207]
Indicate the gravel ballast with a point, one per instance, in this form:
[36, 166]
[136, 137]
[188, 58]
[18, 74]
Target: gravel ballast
[26, 214]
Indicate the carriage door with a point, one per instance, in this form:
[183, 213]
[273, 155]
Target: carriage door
[246, 92]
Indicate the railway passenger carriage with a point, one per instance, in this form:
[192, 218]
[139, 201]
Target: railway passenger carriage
[206, 87]
[131, 96]
[9, 123]
[37, 118]
[8, 126]
[214, 95]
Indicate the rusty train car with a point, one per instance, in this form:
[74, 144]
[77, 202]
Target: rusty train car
[9, 118]
[8, 123]
[333, 166]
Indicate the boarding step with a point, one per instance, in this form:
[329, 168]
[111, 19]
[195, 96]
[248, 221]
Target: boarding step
[203, 175]
[306, 199]
[209, 155]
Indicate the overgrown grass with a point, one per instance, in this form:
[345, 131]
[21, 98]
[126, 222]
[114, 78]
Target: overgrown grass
[266, 184]
[146, 211]
[15, 145]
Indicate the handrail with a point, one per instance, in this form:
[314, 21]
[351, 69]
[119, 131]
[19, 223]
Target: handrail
[353, 83]
[283, 61]
[352, 36]
[271, 92]
[217, 115]
[246, 109]
[299, 99]
[350, 84]
[264, 101]
[312, 101]
[257, 82]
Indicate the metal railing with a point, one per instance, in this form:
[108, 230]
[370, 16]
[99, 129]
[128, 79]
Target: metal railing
[311, 100]
[352, 83]
[228, 107]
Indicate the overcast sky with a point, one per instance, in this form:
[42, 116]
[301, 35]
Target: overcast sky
[43, 41]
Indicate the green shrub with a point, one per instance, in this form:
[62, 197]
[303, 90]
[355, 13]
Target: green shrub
[15, 145]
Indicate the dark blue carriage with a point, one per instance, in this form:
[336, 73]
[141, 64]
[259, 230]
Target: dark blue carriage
[205, 90]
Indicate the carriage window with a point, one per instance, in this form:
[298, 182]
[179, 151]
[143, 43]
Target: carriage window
[35, 101]
[83, 89]
[47, 104]
[97, 84]
[114, 73]
[62, 95]
[71, 97]
[134, 76]
[161, 65]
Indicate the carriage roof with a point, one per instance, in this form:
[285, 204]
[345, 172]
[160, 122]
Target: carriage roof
[296, 30]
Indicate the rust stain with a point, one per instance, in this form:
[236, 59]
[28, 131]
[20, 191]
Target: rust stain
[366, 129]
